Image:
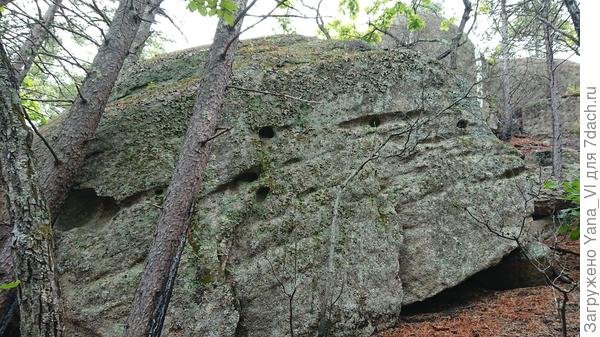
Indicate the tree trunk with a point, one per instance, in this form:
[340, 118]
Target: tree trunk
[143, 33]
[573, 9]
[154, 291]
[39, 33]
[506, 121]
[553, 93]
[32, 238]
[8, 298]
[452, 51]
[84, 115]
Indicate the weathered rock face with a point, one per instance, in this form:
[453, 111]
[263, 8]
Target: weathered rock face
[387, 136]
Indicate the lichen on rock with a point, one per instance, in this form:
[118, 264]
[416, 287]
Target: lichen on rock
[417, 151]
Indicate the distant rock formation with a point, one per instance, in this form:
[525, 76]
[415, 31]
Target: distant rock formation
[529, 96]
[432, 41]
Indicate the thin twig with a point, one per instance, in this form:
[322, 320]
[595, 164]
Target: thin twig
[272, 93]
[56, 160]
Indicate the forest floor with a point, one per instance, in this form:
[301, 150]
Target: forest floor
[469, 311]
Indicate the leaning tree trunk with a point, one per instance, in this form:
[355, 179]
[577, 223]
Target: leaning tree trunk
[143, 33]
[21, 66]
[506, 120]
[455, 44]
[38, 35]
[154, 291]
[573, 9]
[84, 115]
[32, 238]
[553, 93]
[8, 298]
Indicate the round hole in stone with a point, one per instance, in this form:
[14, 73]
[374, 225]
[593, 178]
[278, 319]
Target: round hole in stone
[461, 124]
[262, 192]
[266, 132]
[374, 122]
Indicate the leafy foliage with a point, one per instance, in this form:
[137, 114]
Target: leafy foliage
[350, 8]
[573, 89]
[10, 285]
[569, 217]
[380, 14]
[32, 108]
[224, 9]
[446, 23]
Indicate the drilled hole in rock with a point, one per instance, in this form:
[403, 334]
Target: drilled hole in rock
[266, 132]
[374, 122]
[461, 124]
[512, 272]
[262, 193]
[85, 208]
[246, 176]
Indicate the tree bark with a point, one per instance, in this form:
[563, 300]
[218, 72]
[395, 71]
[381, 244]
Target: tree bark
[552, 93]
[84, 115]
[506, 121]
[38, 35]
[452, 51]
[154, 291]
[143, 33]
[32, 238]
[573, 8]
[8, 298]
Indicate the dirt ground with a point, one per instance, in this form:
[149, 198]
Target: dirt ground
[472, 312]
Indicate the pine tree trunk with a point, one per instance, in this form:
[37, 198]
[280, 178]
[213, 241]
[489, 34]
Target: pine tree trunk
[506, 120]
[553, 93]
[573, 9]
[468, 7]
[154, 291]
[8, 298]
[38, 35]
[84, 115]
[143, 33]
[32, 238]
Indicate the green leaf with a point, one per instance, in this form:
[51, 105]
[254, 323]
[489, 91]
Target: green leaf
[550, 185]
[574, 234]
[228, 17]
[350, 8]
[564, 229]
[446, 23]
[228, 5]
[10, 285]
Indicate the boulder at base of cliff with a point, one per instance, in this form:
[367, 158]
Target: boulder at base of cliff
[385, 133]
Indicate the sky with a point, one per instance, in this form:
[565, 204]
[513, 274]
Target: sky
[195, 30]
[198, 30]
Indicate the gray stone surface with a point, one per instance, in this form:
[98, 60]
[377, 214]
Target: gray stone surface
[263, 222]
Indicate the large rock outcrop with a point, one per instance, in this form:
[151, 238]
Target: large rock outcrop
[384, 133]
